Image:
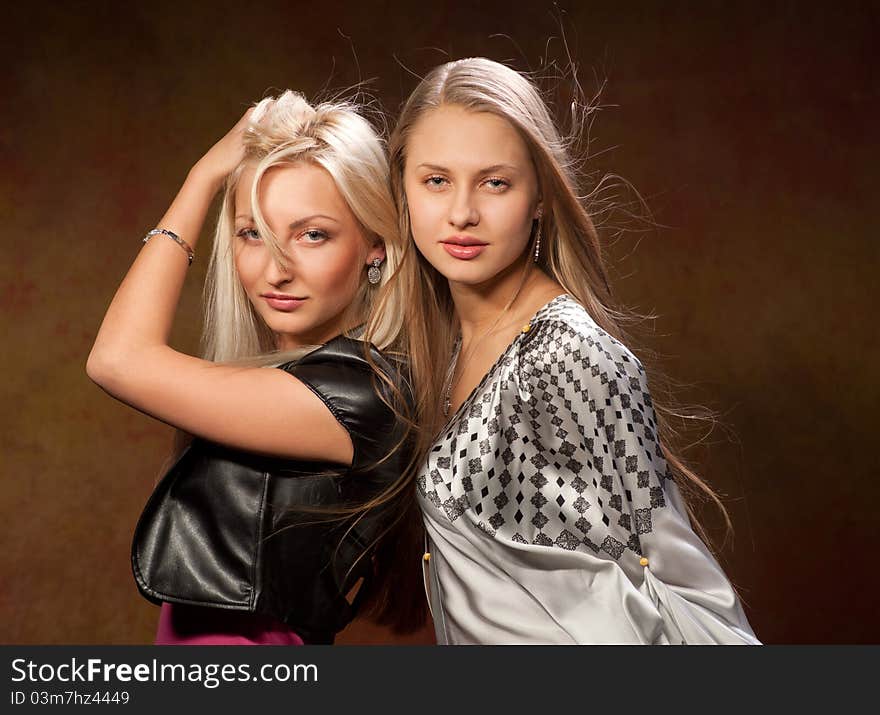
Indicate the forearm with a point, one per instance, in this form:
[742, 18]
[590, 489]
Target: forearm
[141, 313]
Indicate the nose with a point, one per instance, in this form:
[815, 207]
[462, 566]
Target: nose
[278, 271]
[462, 211]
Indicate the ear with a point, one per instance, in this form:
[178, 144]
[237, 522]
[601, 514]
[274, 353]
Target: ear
[377, 251]
[539, 209]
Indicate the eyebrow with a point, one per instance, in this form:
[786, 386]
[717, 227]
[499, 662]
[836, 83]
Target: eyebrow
[485, 170]
[296, 224]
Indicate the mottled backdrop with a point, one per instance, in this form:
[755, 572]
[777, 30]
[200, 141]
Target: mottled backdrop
[749, 129]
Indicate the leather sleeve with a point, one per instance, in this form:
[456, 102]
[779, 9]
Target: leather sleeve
[338, 373]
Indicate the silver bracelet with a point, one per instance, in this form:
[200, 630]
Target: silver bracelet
[174, 237]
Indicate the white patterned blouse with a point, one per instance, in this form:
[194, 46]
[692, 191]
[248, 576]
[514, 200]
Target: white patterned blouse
[550, 511]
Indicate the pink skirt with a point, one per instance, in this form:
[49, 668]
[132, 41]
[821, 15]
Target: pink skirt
[196, 625]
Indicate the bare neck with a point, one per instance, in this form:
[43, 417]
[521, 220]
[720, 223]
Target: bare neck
[479, 307]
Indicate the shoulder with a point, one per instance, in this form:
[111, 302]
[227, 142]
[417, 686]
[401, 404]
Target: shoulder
[565, 341]
[344, 374]
[345, 358]
[341, 350]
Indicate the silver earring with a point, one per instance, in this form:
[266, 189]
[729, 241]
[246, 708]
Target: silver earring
[538, 241]
[374, 275]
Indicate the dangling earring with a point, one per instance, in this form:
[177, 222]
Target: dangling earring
[374, 275]
[538, 236]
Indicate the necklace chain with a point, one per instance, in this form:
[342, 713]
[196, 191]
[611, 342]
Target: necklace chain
[450, 374]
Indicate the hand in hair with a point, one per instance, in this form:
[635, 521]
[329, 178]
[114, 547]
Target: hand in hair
[222, 158]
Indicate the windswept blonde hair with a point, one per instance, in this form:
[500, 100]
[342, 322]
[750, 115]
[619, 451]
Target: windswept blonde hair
[570, 250]
[333, 135]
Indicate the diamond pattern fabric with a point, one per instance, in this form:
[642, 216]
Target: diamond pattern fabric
[553, 460]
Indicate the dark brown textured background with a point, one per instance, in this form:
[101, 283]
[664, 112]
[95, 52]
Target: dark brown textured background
[750, 130]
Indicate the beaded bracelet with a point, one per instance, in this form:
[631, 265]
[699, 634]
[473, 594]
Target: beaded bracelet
[174, 237]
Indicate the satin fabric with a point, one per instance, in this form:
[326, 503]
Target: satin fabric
[551, 514]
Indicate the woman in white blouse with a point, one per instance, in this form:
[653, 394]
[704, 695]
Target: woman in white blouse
[552, 509]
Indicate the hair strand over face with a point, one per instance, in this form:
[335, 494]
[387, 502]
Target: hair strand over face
[334, 136]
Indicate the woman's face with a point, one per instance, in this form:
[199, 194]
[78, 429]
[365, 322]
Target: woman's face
[472, 192]
[303, 300]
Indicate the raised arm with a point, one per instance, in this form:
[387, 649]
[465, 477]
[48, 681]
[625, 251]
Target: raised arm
[257, 409]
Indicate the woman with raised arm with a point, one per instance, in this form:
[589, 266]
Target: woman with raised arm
[553, 505]
[285, 512]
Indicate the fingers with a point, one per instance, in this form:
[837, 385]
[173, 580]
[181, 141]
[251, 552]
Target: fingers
[256, 113]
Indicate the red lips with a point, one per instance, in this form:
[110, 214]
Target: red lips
[284, 303]
[281, 296]
[463, 247]
[462, 240]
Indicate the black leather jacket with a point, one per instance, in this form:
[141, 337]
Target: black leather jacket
[213, 532]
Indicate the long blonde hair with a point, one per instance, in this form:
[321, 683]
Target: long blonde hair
[570, 251]
[336, 137]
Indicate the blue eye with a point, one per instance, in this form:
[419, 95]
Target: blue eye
[497, 184]
[434, 182]
[249, 233]
[314, 236]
